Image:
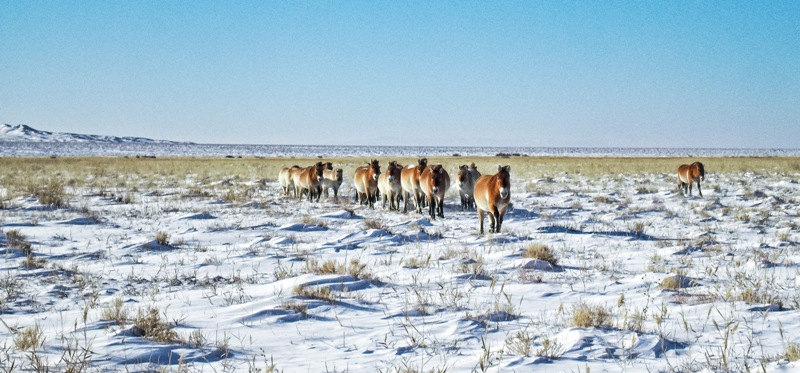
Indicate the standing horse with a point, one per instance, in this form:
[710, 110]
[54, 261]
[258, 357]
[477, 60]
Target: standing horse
[688, 173]
[332, 179]
[294, 176]
[434, 182]
[389, 186]
[365, 180]
[493, 195]
[285, 179]
[467, 175]
[310, 179]
[409, 180]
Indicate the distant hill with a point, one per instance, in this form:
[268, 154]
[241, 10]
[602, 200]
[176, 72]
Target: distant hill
[24, 133]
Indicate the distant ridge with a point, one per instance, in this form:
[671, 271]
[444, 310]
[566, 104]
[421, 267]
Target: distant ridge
[25, 133]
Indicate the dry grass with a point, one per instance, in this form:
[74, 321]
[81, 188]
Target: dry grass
[29, 339]
[162, 238]
[18, 173]
[319, 293]
[793, 352]
[540, 251]
[586, 316]
[150, 325]
[116, 312]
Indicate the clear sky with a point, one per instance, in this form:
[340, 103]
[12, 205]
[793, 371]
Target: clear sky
[530, 73]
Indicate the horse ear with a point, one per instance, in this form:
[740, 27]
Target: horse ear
[499, 168]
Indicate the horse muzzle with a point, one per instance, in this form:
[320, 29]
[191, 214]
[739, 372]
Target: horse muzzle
[504, 193]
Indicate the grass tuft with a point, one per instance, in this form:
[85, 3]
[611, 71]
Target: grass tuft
[541, 252]
[149, 324]
[586, 316]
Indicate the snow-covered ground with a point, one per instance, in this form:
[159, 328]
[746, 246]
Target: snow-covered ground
[333, 286]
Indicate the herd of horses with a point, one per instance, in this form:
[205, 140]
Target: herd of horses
[425, 185]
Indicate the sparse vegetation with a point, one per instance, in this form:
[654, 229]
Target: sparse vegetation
[149, 324]
[116, 312]
[541, 252]
[587, 316]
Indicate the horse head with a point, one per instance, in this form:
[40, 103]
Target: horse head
[320, 169]
[392, 170]
[437, 178]
[339, 174]
[329, 166]
[463, 175]
[699, 170]
[504, 178]
[375, 169]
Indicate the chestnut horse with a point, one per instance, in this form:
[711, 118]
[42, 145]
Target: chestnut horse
[389, 186]
[332, 179]
[285, 179]
[688, 173]
[365, 180]
[434, 182]
[409, 181]
[310, 179]
[493, 195]
[467, 175]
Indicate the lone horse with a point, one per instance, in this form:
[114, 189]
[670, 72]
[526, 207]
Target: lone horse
[434, 182]
[365, 180]
[409, 180]
[493, 195]
[688, 173]
[389, 186]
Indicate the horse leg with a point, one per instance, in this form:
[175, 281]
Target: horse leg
[700, 192]
[480, 219]
[432, 207]
[499, 222]
[492, 222]
[440, 206]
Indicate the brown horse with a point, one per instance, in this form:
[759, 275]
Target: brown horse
[332, 179]
[409, 181]
[285, 179]
[434, 182]
[493, 195]
[467, 175]
[310, 179]
[389, 186]
[365, 180]
[688, 173]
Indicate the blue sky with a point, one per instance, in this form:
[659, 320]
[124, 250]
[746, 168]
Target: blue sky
[532, 73]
